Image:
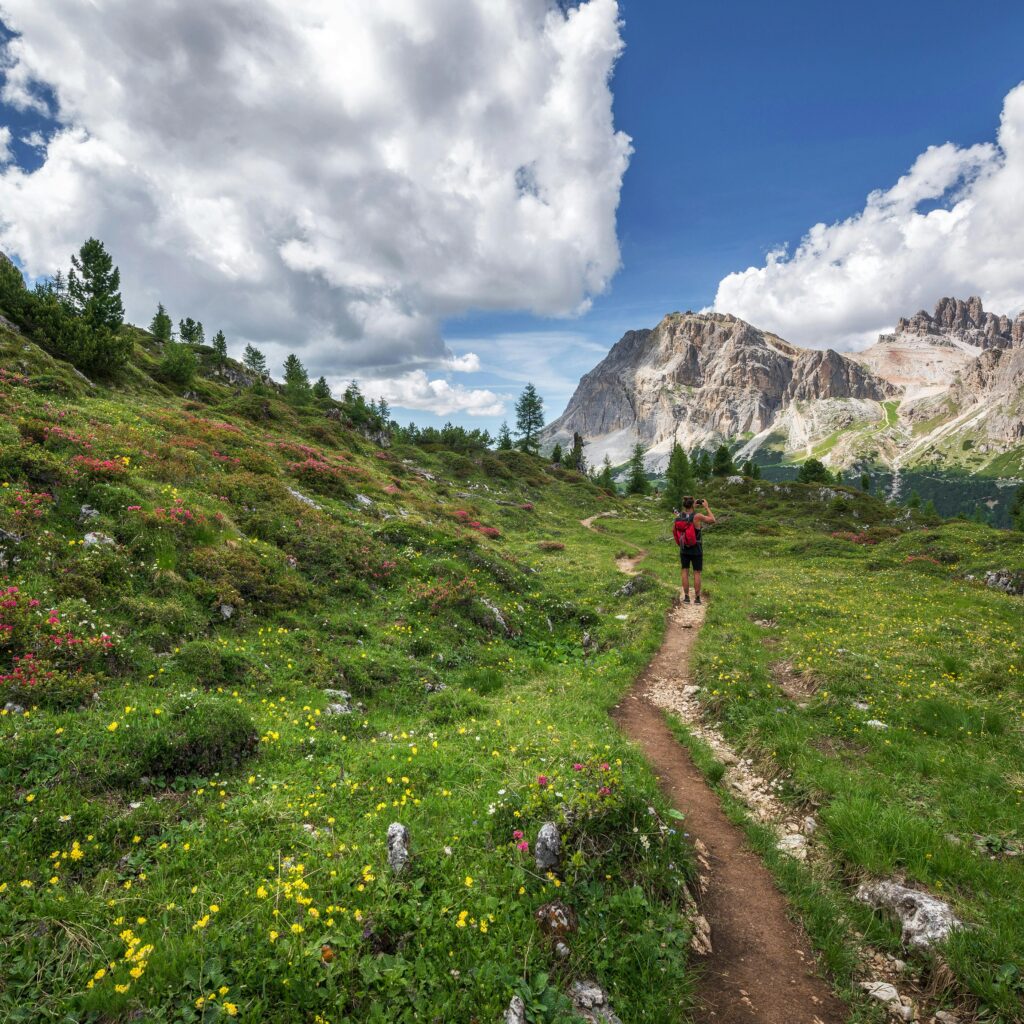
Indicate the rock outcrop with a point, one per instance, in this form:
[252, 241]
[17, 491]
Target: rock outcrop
[956, 377]
[700, 378]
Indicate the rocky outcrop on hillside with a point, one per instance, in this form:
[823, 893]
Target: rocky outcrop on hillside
[966, 322]
[700, 378]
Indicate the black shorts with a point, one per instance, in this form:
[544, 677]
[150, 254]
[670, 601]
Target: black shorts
[692, 557]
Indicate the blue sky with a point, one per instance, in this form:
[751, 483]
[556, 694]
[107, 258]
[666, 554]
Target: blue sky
[749, 124]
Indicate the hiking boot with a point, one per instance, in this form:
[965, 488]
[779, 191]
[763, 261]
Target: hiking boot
[696, 600]
[686, 599]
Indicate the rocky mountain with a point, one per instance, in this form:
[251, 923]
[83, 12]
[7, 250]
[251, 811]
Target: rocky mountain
[942, 389]
[698, 378]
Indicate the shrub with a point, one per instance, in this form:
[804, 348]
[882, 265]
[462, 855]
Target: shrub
[235, 575]
[206, 663]
[179, 364]
[197, 734]
[30, 683]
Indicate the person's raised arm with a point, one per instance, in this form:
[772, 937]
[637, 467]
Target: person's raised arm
[707, 516]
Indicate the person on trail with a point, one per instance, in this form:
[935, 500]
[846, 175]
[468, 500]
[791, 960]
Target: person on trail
[686, 530]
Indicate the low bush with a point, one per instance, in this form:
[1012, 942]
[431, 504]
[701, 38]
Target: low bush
[197, 734]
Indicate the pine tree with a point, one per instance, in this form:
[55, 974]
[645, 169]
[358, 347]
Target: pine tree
[1017, 509]
[321, 391]
[529, 419]
[296, 381]
[914, 501]
[576, 459]
[504, 438]
[755, 470]
[161, 325]
[606, 479]
[94, 288]
[814, 471]
[191, 331]
[930, 510]
[86, 325]
[865, 482]
[637, 482]
[678, 478]
[254, 361]
[722, 465]
[556, 455]
[220, 349]
[702, 466]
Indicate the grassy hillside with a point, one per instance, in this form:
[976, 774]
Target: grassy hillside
[830, 613]
[238, 640]
[190, 834]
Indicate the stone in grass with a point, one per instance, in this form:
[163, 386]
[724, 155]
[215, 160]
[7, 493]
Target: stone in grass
[874, 723]
[547, 850]
[556, 919]
[339, 702]
[516, 1012]
[882, 991]
[97, 539]
[398, 847]
[925, 919]
[591, 1002]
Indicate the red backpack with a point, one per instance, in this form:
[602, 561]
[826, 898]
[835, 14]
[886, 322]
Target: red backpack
[686, 531]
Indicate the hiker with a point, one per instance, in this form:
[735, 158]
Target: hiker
[686, 531]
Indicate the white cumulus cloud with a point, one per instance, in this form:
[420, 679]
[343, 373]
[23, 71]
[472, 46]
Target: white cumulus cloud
[414, 390]
[5, 145]
[952, 225]
[331, 177]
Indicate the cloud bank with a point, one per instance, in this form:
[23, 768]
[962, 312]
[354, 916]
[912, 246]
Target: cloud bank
[952, 225]
[331, 177]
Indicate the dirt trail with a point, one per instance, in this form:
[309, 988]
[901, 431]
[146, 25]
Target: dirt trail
[761, 969]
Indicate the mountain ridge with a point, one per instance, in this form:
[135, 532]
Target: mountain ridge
[941, 389]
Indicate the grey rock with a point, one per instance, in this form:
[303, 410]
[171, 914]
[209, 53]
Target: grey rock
[226, 611]
[398, 847]
[547, 850]
[496, 612]
[945, 1017]
[338, 709]
[1006, 581]
[13, 709]
[363, 500]
[734, 480]
[875, 723]
[339, 696]
[96, 539]
[591, 1002]
[516, 1012]
[87, 512]
[562, 951]
[793, 844]
[882, 991]
[925, 919]
[435, 687]
[299, 496]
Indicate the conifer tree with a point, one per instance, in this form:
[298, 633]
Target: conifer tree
[637, 482]
[678, 478]
[321, 391]
[865, 482]
[1017, 509]
[296, 381]
[755, 470]
[94, 288]
[220, 349]
[161, 325]
[529, 419]
[504, 438]
[576, 459]
[914, 501]
[606, 479]
[723, 464]
[191, 331]
[254, 361]
[814, 471]
[556, 455]
[702, 466]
